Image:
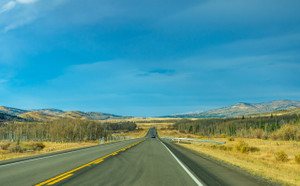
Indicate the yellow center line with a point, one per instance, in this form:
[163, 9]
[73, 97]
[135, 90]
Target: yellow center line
[60, 179]
[68, 174]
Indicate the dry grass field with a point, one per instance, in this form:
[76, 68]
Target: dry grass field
[138, 133]
[157, 125]
[14, 152]
[271, 159]
[9, 150]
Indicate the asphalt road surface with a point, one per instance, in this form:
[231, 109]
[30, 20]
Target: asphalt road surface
[144, 161]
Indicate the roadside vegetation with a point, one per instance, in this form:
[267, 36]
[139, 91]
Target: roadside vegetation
[284, 127]
[267, 146]
[10, 150]
[65, 130]
[31, 138]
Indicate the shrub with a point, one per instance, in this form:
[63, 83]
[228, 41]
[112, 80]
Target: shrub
[281, 156]
[225, 148]
[297, 158]
[4, 146]
[274, 136]
[230, 138]
[213, 146]
[254, 149]
[298, 135]
[38, 146]
[243, 147]
[259, 133]
[221, 147]
[223, 135]
[17, 149]
[265, 136]
[288, 132]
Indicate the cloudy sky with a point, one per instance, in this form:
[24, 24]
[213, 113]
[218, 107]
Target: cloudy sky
[149, 57]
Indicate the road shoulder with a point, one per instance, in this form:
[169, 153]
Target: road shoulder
[214, 172]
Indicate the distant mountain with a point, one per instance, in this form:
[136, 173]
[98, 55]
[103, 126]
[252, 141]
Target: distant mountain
[7, 117]
[54, 114]
[12, 111]
[241, 109]
[38, 116]
[91, 115]
[50, 111]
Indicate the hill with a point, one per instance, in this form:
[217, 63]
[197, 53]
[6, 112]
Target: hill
[7, 117]
[11, 111]
[38, 116]
[241, 109]
[50, 111]
[90, 115]
[54, 114]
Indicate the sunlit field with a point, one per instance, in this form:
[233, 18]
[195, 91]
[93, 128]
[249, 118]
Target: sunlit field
[10, 150]
[272, 159]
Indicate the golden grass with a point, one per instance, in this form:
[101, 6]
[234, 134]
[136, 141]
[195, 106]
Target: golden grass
[49, 147]
[54, 147]
[157, 125]
[262, 162]
[138, 133]
[39, 116]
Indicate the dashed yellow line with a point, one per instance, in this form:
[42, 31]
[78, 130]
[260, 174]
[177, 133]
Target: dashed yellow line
[70, 173]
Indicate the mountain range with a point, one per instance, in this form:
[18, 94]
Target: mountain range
[241, 109]
[53, 114]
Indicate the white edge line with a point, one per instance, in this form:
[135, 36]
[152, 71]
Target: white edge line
[35, 159]
[186, 170]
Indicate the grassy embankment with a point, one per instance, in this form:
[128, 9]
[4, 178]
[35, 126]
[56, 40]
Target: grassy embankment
[11, 150]
[17, 139]
[273, 159]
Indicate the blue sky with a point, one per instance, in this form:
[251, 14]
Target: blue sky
[148, 58]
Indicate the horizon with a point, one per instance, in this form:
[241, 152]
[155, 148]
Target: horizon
[149, 58]
[130, 115]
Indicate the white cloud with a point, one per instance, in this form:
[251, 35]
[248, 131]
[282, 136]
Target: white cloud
[25, 12]
[26, 1]
[19, 23]
[8, 6]
[11, 4]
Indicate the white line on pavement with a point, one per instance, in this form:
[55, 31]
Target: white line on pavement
[186, 170]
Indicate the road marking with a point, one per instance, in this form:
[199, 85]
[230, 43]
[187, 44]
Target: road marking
[88, 148]
[51, 183]
[184, 167]
[65, 175]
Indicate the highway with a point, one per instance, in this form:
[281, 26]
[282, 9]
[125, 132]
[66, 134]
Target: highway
[144, 161]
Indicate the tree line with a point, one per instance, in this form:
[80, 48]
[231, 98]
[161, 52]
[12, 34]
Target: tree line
[260, 127]
[65, 130]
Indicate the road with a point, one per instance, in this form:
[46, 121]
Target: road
[144, 161]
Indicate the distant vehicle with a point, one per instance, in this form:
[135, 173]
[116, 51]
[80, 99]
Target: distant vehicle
[153, 136]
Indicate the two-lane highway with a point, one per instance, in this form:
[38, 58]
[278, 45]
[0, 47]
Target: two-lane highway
[149, 163]
[145, 161]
